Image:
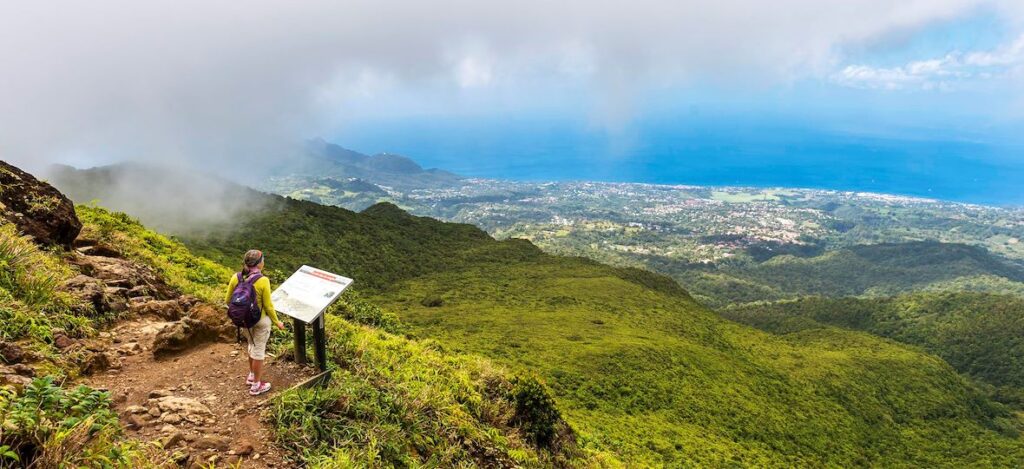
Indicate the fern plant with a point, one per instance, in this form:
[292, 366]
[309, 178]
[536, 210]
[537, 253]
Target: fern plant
[45, 421]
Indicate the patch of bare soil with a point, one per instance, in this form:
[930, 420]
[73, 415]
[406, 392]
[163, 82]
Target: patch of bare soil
[196, 402]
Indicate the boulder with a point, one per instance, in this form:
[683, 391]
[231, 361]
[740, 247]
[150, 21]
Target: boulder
[62, 341]
[92, 292]
[213, 442]
[169, 310]
[184, 406]
[158, 393]
[172, 419]
[173, 439]
[92, 247]
[216, 319]
[124, 274]
[24, 370]
[188, 302]
[94, 362]
[11, 353]
[39, 210]
[10, 377]
[182, 335]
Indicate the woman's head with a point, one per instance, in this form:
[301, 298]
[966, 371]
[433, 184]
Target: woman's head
[253, 260]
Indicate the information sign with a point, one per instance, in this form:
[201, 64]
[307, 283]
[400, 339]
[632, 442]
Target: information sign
[308, 292]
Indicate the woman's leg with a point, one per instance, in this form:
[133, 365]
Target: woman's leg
[257, 370]
[249, 346]
[261, 334]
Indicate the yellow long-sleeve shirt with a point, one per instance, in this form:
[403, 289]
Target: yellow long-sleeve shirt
[262, 287]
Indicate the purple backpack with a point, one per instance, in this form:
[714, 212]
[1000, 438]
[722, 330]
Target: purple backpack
[244, 308]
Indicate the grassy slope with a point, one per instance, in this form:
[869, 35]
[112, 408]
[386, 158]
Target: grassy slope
[978, 334]
[392, 401]
[638, 366]
[880, 269]
[30, 306]
[660, 380]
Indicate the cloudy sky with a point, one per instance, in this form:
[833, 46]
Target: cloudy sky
[219, 82]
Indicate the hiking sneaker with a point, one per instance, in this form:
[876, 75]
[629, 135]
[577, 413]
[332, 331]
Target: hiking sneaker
[259, 388]
[250, 379]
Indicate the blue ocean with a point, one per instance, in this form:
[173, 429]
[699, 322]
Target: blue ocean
[955, 169]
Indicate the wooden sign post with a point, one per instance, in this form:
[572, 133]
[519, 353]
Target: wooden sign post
[304, 297]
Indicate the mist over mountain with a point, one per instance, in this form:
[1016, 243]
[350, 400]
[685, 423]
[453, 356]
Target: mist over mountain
[171, 200]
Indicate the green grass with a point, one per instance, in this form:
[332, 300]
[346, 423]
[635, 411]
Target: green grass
[643, 374]
[659, 380]
[393, 402]
[31, 308]
[181, 269]
[978, 334]
[876, 270]
[744, 197]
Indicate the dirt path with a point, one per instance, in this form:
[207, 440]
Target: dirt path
[195, 402]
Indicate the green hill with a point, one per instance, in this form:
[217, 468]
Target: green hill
[875, 269]
[981, 335]
[638, 367]
[322, 159]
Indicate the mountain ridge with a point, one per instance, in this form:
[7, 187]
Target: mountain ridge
[321, 158]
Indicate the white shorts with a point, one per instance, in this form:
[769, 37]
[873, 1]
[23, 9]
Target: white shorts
[257, 336]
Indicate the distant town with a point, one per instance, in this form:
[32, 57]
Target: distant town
[691, 224]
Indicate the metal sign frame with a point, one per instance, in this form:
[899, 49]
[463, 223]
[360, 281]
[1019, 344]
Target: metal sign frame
[317, 324]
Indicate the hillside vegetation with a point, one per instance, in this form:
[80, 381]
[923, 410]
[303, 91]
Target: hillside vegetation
[978, 334]
[392, 401]
[45, 423]
[874, 269]
[638, 367]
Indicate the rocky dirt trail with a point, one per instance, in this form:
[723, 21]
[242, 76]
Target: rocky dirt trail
[174, 369]
[195, 403]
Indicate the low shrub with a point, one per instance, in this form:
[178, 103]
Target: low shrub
[49, 426]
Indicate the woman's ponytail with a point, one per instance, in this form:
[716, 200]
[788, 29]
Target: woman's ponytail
[251, 259]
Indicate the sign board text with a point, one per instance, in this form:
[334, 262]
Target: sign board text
[308, 292]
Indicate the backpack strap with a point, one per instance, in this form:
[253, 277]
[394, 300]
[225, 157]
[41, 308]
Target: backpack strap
[251, 279]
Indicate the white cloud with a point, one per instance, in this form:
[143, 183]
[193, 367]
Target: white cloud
[943, 73]
[1007, 55]
[208, 81]
[473, 71]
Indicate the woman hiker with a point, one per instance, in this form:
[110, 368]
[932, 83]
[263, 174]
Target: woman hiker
[250, 286]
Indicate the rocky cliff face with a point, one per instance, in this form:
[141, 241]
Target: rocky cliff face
[39, 210]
